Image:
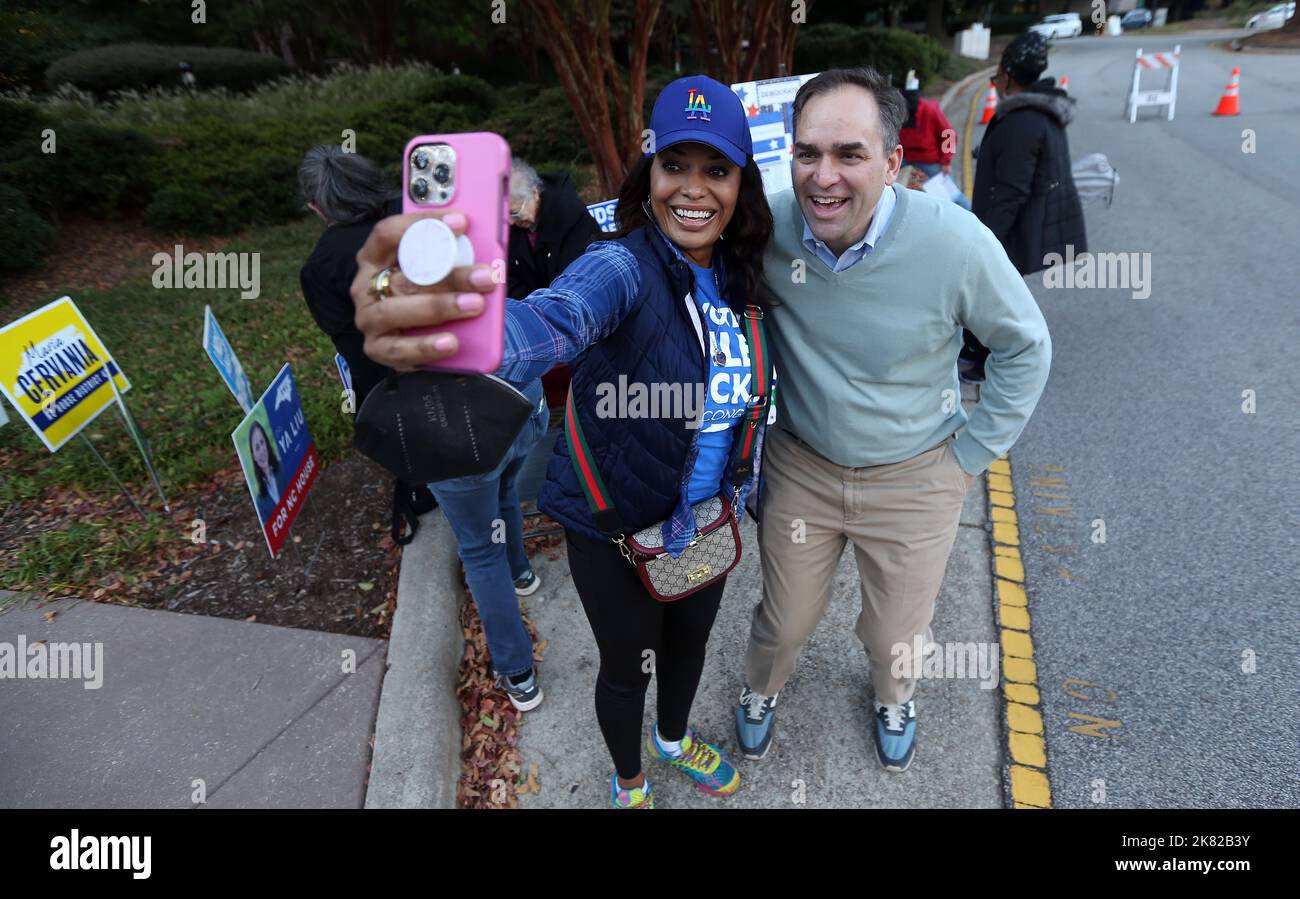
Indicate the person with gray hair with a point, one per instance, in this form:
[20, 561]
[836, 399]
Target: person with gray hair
[549, 228]
[350, 194]
[341, 187]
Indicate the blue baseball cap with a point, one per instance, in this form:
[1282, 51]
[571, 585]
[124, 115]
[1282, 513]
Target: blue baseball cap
[697, 108]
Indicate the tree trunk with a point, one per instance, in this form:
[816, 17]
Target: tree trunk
[934, 21]
[577, 38]
[286, 45]
[382, 30]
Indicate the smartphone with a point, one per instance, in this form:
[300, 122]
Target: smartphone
[469, 173]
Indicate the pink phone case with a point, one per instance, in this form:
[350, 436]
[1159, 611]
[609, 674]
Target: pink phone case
[482, 192]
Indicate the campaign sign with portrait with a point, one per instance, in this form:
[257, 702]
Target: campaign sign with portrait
[278, 456]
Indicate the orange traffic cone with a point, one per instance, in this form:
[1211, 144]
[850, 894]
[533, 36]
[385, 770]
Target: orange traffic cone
[1228, 102]
[990, 105]
[1065, 83]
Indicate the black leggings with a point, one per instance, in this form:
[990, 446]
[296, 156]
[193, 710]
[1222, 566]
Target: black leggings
[627, 621]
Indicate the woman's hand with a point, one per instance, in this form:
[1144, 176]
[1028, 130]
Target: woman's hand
[382, 321]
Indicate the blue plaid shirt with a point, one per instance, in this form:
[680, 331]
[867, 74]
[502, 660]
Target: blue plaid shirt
[581, 307]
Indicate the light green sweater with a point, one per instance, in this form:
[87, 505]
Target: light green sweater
[866, 359]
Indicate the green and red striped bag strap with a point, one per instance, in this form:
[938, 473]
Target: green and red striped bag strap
[760, 399]
[584, 465]
[760, 396]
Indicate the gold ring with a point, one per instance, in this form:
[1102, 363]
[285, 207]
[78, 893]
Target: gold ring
[379, 284]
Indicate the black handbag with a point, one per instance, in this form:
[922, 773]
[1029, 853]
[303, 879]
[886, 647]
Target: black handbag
[428, 426]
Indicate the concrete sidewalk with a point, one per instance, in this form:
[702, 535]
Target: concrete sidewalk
[823, 738]
[264, 716]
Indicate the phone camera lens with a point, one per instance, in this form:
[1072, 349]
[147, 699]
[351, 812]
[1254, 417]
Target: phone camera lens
[420, 160]
[441, 173]
[420, 189]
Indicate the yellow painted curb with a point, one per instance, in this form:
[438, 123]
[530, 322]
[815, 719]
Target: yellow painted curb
[1006, 533]
[1029, 749]
[1014, 617]
[1011, 594]
[1022, 693]
[1024, 719]
[1026, 750]
[1020, 671]
[1009, 568]
[1030, 786]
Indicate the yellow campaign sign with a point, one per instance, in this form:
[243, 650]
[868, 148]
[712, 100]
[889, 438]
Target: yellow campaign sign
[54, 369]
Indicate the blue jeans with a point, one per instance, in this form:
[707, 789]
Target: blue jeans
[933, 168]
[477, 507]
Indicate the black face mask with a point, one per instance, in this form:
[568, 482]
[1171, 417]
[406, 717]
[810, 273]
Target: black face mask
[427, 426]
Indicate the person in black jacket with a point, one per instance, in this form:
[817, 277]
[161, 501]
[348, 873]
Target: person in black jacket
[350, 195]
[549, 227]
[1024, 192]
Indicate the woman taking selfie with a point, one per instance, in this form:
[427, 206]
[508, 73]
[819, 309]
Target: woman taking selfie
[670, 302]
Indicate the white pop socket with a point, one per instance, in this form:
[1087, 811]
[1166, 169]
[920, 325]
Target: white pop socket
[427, 252]
[464, 251]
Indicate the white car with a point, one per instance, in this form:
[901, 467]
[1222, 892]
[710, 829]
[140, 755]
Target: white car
[1065, 25]
[1272, 18]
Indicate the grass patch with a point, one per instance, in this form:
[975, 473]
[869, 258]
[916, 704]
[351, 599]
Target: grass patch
[66, 559]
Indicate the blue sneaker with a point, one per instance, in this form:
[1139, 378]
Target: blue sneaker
[895, 735]
[754, 719]
[702, 762]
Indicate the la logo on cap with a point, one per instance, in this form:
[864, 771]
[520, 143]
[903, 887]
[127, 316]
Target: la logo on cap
[696, 108]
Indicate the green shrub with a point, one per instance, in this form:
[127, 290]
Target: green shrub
[216, 162]
[221, 175]
[25, 237]
[892, 51]
[142, 66]
[538, 124]
[102, 171]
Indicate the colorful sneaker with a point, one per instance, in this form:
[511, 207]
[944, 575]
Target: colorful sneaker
[895, 735]
[524, 696]
[637, 797]
[702, 762]
[754, 720]
[527, 584]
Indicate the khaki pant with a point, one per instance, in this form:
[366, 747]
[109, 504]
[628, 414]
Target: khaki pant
[902, 519]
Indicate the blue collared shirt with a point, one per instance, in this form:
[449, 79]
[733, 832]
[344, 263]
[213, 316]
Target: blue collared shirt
[879, 222]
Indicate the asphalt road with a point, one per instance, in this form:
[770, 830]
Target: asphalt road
[1168, 654]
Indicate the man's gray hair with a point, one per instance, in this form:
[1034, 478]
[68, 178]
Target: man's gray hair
[345, 187]
[523, 181]
[889, 100]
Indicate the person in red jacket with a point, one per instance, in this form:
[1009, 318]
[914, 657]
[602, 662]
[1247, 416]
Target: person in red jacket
[929, 142]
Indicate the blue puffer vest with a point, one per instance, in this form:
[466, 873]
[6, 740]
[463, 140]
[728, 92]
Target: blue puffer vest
[642, 460]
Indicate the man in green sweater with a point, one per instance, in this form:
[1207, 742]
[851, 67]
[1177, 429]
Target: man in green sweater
[874, 285]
